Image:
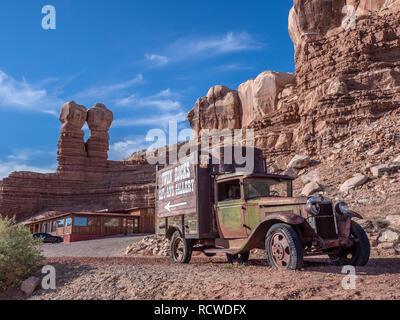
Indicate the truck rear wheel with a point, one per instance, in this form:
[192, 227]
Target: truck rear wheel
[284, 248]
[359, 253]
[180, 249]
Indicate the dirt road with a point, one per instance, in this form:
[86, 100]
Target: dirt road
[99, 248]
[156, 278]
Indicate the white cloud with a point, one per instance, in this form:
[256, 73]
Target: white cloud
[162, 107]
[155, 120]
[231, 67]
[22, 160]
[231, 42]
[104, 91]
[25, 96]
[6, 168]
[157, 60]
[124, 149]
[195, 47]
[164, 100]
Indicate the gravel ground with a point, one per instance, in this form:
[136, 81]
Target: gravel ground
[99, 248]
[142, 278]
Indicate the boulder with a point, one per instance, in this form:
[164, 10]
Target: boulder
[389, 236]
[291, 173]
[259, 96]
[383, 169]
[374, 151]
[299, 162]
[73, 115]
[30, 285]
[310, 189]
[220, 109]
[311, 176]
[99, 121]
[354, 182]
[367, 225]
[385, 245]
[394, 221]
[397, 160]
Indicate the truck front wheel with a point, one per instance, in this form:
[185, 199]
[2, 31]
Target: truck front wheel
[359, 253]
[180, 249]
[283, 248]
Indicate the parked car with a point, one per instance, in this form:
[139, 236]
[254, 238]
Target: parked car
[48, 238]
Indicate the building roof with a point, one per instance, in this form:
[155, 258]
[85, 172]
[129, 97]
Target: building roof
[32, 220]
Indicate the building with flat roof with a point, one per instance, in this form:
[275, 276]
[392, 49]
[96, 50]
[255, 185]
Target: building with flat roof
[78, 226]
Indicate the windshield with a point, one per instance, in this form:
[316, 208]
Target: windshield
[259, 188]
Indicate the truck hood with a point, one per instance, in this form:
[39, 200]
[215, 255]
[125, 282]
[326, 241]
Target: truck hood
[265, 201]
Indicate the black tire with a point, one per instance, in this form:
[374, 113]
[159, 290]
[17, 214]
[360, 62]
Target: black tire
[180, 249]
[232, 257]
[244, 257]
[283, 248]
[241, 258]
[359, 253]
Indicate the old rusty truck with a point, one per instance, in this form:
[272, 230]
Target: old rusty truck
[223, 209]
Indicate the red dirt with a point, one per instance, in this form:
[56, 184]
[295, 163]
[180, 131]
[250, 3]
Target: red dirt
[141, 278]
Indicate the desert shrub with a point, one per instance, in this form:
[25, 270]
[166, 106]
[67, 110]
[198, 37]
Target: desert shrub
[20, 253]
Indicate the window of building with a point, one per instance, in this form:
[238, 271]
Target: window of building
[111, 222]
[54, 226]
[60, 223]
[43, 228]
[68, 222]
[80, 222]
[93, 222]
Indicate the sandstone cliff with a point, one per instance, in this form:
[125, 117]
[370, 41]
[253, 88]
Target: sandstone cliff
[347, 76]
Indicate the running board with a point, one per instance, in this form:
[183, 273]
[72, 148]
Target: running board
[215, 251]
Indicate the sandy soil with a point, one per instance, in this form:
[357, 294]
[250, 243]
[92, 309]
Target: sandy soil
[156, 278]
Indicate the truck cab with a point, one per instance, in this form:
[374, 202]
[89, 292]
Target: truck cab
[203, 209]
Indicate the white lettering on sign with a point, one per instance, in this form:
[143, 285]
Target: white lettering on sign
[166, 178]
[182, 172]
[183, 183]
[184, 187]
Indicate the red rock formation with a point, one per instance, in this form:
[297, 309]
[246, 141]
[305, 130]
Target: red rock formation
[220, 109]
[345, 77]
[85, 180]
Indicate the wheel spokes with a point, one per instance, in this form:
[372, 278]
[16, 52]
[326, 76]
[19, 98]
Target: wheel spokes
[280, 250]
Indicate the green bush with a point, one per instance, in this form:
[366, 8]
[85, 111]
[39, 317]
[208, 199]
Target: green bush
[20, 253]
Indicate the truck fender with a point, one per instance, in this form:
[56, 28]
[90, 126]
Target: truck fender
[257, 237]
[354, 214]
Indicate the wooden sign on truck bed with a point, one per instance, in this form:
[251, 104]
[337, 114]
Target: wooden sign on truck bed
[184, 197]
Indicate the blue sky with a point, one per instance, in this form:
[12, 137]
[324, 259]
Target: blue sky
[148, 61]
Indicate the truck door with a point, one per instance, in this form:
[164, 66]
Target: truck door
[230, 212]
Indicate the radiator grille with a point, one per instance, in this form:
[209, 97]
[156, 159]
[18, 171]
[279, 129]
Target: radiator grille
[325, 222]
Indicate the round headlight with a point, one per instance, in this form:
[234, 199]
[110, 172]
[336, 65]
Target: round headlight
[313, 207]
[342, 208]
